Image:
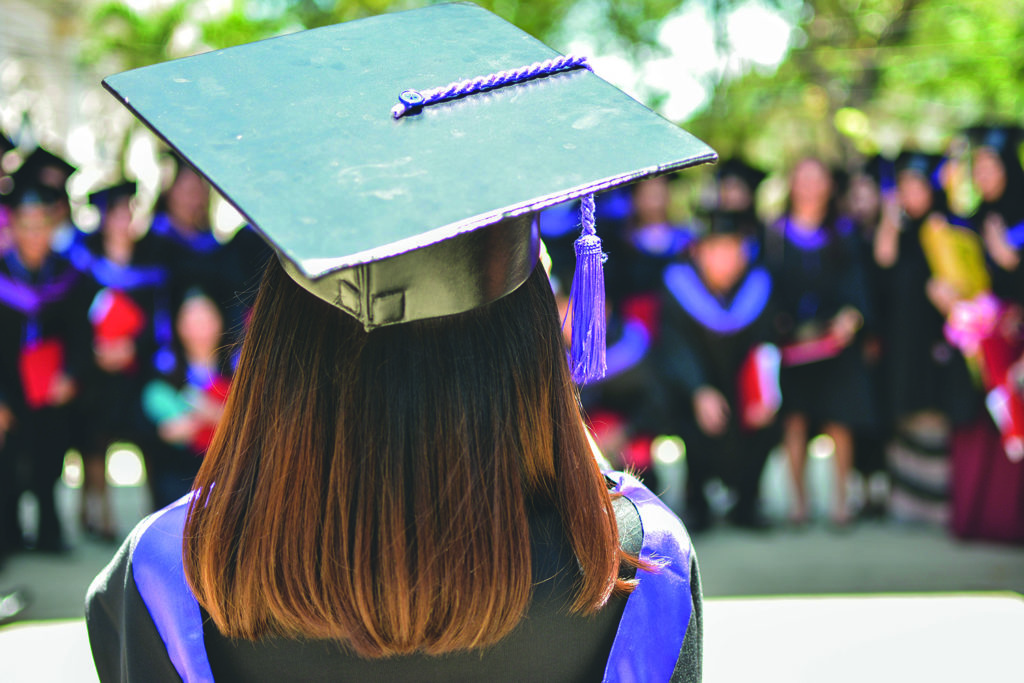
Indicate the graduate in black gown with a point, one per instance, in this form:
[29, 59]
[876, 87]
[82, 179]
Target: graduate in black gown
[227, 272]
[870, 186]
[736, 184]
[184, 404]
[999, 219]
[925, 380]
[44, 348]
[131, 335]
[649, 243]
[627, 408]
[814, 257]
[718, 311]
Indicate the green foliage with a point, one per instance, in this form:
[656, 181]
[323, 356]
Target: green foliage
[861, 75]
[870, 75]
[118, 34]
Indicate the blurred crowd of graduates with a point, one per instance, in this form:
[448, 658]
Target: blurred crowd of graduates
[864, 308]
[867, 307]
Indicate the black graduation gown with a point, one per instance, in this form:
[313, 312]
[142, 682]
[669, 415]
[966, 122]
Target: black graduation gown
[816, 275]
[33, 454]
[630, 388]
[705, 340]
[1008, 285]
[228, 273]
[921, 370]
[549, 644]
[112, 401]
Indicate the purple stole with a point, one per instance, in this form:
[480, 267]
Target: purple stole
[646, 646]
[30, 299]
[629, 349]
[684, 284]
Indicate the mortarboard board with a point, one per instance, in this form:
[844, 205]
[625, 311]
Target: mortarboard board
[400, 218]
[105, 198]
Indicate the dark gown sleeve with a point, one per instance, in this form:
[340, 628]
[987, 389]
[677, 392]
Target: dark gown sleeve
[125, 644]
[853, 284]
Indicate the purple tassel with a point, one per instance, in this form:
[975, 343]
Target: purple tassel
[589, 328]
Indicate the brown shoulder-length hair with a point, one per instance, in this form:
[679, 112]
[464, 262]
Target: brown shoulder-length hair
[374, 488]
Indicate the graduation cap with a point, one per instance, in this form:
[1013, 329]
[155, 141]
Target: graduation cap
[27, 188]
[722, 222]
[882, 170]
[48, 169]
[396, 163]
[927, 166]
[1003, 139]
[738, 168]
[109, 196]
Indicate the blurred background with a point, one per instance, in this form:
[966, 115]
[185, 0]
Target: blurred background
[770, 80]
[859, 86]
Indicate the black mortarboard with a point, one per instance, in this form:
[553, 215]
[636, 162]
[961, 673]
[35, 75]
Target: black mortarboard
[881, 169]
[27, 188]
[1004, 139]
[41, 159]
[394, 217]
[719, 222]
[108, 196]
[925, 165]
[740, 169]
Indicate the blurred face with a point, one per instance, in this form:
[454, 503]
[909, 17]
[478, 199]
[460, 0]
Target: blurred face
[864, 200]
[650, 201]
[199, 327]
[989, 174]
[32, 228]
[117, 224]
[188, 200]
[915, 194]
[57, 178]
[810, 186]
[734, 194]
[721, 260]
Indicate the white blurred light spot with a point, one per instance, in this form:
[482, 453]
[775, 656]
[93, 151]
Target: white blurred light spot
[822, 447]
[690, 38]
[757, 34]
[668, 449]
[73, 474]
[124, 466]
[87, 217]
[226, 219]
[142, 163]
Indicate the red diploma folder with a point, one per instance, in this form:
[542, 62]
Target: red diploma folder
[115, 315]
[759, 391]
[39, 365]
[1006, 407]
